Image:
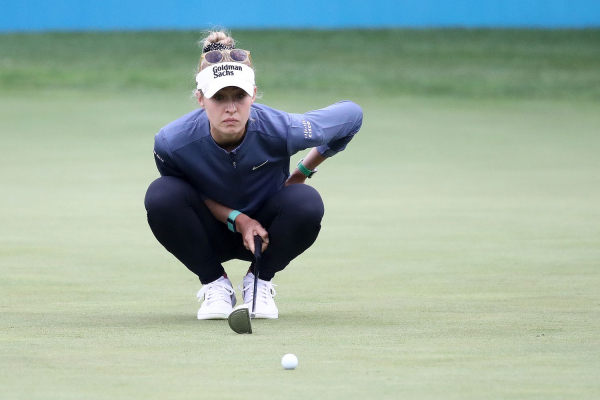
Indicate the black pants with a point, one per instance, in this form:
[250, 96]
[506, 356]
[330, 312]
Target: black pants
[185, 227]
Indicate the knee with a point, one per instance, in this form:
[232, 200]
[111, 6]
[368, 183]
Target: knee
[307, 206]
[166, 192]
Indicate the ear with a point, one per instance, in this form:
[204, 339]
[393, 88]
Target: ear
[200, 98]
[254, 95]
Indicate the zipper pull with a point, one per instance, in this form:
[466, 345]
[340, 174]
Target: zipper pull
[232, 158]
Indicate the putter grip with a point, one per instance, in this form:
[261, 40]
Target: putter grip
[257, 246]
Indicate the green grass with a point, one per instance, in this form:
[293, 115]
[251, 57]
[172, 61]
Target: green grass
[473, 63]
[459, 256]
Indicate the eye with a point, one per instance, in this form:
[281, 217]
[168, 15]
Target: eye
[241, 95]
[218, 97]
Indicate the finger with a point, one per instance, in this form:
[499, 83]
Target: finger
[246, 241]
[265, 240]
[263, 234]
[250, 243]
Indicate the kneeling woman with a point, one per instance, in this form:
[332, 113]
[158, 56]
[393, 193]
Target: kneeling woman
[225, 177]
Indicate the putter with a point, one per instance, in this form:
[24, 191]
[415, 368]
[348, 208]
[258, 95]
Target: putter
[240, 318]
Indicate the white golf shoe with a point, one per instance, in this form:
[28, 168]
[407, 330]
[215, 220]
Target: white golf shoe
[265, 305]
[219, 299]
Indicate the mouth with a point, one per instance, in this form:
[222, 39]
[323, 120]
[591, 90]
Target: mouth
[230, 121]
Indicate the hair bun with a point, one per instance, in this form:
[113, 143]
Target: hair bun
[216, 38]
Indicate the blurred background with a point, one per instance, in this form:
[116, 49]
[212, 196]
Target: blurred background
[459, 256]
[543, 48]
[36, 15]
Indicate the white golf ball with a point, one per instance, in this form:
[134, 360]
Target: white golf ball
[289, 361]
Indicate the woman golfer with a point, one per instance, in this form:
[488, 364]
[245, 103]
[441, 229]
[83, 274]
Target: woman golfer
[225, 177]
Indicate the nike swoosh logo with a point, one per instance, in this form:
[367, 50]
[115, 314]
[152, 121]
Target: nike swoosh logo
[255, 168]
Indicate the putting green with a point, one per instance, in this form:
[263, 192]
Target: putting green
[459, 255]
[458, 258]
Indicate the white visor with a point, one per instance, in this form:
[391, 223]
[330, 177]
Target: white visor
[214, 78]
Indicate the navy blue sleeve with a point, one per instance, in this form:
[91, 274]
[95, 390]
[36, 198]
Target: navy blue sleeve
[328, 129]
[163, 157]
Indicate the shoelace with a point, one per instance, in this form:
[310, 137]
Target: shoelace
[215, 291]
[264, 290]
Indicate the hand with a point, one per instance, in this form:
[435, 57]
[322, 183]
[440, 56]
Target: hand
[249, 227]
[295, 178]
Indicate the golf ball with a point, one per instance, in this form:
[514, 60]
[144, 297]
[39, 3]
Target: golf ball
[289, 361]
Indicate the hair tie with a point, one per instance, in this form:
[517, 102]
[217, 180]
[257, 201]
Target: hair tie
[217, 46]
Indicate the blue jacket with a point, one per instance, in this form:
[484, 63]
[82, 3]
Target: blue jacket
[245, 178]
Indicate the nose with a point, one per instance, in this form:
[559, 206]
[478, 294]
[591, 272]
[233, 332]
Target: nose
[230, 107]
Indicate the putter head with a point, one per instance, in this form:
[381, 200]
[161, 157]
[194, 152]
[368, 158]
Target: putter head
[239, 319]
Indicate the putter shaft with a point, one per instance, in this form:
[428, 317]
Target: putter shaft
[257, 256]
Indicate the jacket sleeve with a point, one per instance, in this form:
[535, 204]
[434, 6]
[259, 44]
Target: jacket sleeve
[328, 129]
[163, 157]
[164, 160]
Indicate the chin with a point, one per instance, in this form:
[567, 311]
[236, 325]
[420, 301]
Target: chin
[232, 130]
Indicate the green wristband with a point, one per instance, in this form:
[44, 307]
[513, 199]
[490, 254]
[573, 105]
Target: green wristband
[231, 220]
[305, 171]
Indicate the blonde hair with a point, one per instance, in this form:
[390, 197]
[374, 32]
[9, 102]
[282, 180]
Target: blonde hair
[217, 36]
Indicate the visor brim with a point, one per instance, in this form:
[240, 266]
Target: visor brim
[212, 88]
